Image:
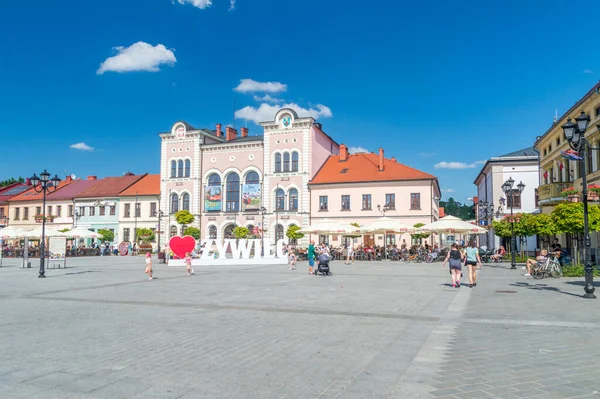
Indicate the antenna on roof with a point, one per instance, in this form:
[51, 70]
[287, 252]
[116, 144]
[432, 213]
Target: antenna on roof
[555, 115]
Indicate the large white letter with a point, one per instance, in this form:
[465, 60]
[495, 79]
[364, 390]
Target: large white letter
[257, 247]
[241, 248]
[267, 254]
[280, 244]
[206, 252]
[222, 248]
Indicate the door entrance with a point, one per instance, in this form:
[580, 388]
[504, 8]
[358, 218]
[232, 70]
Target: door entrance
[369, 240]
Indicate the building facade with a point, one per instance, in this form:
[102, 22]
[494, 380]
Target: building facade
[139, 207]
[6, 193]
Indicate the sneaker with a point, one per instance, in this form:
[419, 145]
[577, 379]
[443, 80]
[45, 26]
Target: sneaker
[457, 285]
[453, 285]
[150, 278]
[527, 275]
[470, 285]
[523, 268]
[474, 284]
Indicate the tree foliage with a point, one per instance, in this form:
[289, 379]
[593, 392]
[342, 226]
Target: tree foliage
[501, 228]
[568, 217]
[543, 225]
[10, 181]
[419, 236]
[184, 218]
[240, 232]
[292, 232]
[107, 235]
[192, 231]
[145, 234]
[461, 211]
[354, 235]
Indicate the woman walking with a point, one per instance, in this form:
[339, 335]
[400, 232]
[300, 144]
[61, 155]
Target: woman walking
[292, 259]
[473, 260]
[311, 257]
[455, 259]
[188, 263]
[349, 254]
[149, 266]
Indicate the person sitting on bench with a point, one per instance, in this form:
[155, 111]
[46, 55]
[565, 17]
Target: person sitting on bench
[539, 260]
[499, 254]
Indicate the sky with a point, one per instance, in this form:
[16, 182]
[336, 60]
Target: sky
[442, 86]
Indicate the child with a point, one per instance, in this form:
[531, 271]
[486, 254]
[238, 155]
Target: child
[149, 265]
[292, 259]
[188, 264]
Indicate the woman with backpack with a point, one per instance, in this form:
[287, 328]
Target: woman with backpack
[455, 258]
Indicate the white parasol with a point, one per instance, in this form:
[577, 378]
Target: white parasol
[387, 225]
[48, 232]
[452, 224]
[327, 227]
[80, 232]
[11, 232]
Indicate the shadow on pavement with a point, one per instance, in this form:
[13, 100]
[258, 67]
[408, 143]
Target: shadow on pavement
[542, 287]
[581, 283]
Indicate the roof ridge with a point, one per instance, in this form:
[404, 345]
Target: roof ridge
[367, 158]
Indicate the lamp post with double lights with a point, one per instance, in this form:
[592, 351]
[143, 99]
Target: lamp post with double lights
[508, 188]
[486, 212]
[575, 135]
[44, 184]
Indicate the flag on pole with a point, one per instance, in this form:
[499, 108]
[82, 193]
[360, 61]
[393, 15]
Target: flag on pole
[572, 155]
[561, 166]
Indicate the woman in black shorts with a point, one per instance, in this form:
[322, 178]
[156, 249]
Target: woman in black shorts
[455, 258]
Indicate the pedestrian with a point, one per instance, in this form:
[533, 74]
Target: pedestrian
[350, 254]
[149, 265]
[130, 249]
[102, 248]
[472, 261]
[188, 264]
[135, 248]
[310, 254]
[454, 258]
[292, 259]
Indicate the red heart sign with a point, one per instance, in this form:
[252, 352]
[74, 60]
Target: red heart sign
[182, 245]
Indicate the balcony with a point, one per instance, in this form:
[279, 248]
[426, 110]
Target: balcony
[551, 193]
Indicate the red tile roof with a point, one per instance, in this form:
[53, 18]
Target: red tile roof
[109, 186]
[72, 190]
[32, 195]
[12, 190]
[363, 168]
[148, 185]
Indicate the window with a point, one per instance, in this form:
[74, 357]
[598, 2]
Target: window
[513, 199]
[1, 212]
[415, 201]
[323, 203]
[293, 199]
[50, 208]
[589, 160]
[38, 210]
[212, 232]
[102, 210]
[180, 168]
[294, 161]
[113, 209]
[323, 240]
[228, 233]
[92, 211]
[174, 203]
[153, 212]
[390, 239]
[82, 211]
[366, 202]
[390, 201]
[277, 163]
[232, 193]
[173, 169]
[286, 162]
[127, 212]
[279, 199]
[188, 168]
[345, 202]
[537, 198]
[185, 202]
[25, 213]
[126, 235]
[278, 232]
[598, 111]
[138, 210]
[252, 178]
[70, 211]
[17, 213]
[214, 180]
[58, 210]
[557, 141]
[173, 231]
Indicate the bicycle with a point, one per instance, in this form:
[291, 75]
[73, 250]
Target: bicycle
[550, 268]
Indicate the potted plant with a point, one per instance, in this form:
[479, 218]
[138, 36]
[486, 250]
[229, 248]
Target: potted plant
[571, 193]
[593, 192]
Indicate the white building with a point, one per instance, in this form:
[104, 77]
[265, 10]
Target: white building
[521, 166]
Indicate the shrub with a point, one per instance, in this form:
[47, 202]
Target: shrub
[577, 271]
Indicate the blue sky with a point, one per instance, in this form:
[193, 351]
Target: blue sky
[436, 82]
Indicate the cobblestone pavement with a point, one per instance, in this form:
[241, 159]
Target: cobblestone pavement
[100, 329]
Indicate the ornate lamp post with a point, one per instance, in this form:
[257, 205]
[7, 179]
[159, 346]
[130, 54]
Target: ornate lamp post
[508, 189]
[76, 217]
[486, 212]
[160, 214]
[263, 212]
[44, 184]
[383, 210]
[575, 135]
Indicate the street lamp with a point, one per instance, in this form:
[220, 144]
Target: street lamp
[44, 184]
[485, 211]
[76, 217]
[160, 214]
[383, 210]
[508, 189]
[574, 133]
[263, 212]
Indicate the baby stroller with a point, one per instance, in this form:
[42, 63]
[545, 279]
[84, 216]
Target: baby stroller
[323, 266]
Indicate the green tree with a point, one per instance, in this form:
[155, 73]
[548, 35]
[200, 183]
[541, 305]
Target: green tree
[63, 230]
[146, 235]
[184, 218]
[501, 228]
[292, 233]
[240, 232]
[107, 235]
[354, 235]
[420, 236]
[461, 211]
[543, 225]
[192, 231]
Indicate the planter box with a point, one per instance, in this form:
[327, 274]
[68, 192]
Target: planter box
[573, 198]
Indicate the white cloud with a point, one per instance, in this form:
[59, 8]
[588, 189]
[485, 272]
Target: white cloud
[456, 165]
[231, 5]
[267, 98]
[139, 56]
[426, 154]
[201, 4]
[479, 162]
[251, 86]
[588, 71]
[81, 147]
[447, 190]
[356, 150]
[266, 112]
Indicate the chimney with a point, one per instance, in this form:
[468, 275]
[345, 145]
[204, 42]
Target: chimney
[230, 134]
[394, 159]
[343, 153]
[218, 130]
[381, 159]
[244, 132]
[28, 181]
[68, 178]
[92, 177]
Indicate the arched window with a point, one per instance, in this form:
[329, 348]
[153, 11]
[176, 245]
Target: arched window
[286, 162]
[188, 168]
[293, 199]
[278, 232]
[185, 206]
[294, 161]
[232, 194]
[173, 231]
[212, 232]
[279, 200]
[252, 178]
[277, 163]
[173, 169]
[180, 168]
[214, 180]
[174, 203]
[228, 232]
[250, 227]
[293, 241]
